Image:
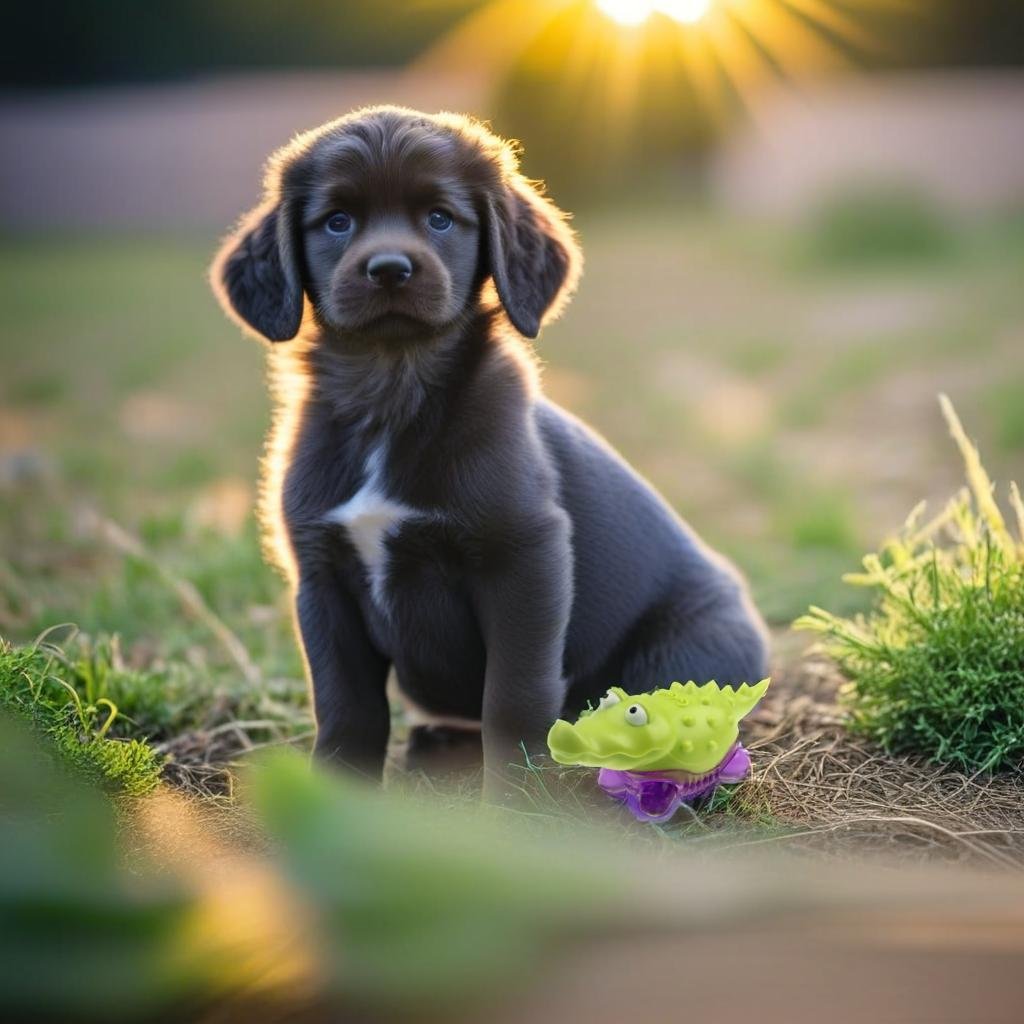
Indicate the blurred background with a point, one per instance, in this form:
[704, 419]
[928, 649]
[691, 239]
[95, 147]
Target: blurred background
[802, 220]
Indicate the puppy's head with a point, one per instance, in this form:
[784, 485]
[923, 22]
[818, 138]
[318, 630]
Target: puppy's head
[387, 223]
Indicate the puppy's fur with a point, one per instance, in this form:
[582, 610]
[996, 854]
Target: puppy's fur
[433, 511]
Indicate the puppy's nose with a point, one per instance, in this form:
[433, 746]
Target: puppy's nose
[389, 269]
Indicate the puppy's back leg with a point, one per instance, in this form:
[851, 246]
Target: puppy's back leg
[725, 641]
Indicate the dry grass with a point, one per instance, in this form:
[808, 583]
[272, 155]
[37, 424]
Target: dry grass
[204, 762]
[833, 793]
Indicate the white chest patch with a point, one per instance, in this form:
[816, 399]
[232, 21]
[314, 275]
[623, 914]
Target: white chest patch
[370, 517]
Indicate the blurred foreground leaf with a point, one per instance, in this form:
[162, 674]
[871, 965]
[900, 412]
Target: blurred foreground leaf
[80, 937]
[420, 902]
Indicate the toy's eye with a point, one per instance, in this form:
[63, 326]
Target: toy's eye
[636, 714]
[339, 223]
[440, 220]
[609, 700]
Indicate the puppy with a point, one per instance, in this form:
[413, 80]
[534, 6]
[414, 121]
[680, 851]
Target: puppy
[432, 510]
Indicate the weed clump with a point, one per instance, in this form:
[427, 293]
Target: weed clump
[35, 690]
[872, 227]
[937, 666]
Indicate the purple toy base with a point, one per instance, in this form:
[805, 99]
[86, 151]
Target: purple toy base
[656, 796]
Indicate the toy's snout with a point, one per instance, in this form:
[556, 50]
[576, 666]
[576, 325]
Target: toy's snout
[607, 739]
[565, 743]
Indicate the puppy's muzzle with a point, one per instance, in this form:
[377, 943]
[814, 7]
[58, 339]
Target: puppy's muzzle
[389, 269]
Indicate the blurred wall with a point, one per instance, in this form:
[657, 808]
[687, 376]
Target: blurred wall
[957, 137]
[179, 155]
[190, 154]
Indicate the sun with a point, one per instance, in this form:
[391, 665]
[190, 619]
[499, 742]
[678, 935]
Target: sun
[634, 12]
[623, 60]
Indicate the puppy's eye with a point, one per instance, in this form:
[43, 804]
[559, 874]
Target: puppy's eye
[339, 223]
[609, 700]
[636, 714]
[440, 220]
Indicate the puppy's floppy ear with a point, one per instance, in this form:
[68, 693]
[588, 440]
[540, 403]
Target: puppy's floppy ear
[256, 274]
[534, 258]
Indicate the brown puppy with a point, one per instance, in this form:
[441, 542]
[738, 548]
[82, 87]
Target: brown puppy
[432, 510]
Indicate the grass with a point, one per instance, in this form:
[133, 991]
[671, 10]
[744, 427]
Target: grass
[133, 394]
[758, 357]
[937, 666]
[70, 704]
[822, 521]
[1008, 411]
[854, 370]
[873, 226]
[133, 416]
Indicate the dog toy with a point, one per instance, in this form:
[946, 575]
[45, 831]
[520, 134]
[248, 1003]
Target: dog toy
[658, 750]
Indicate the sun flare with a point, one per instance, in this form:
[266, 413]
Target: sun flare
[635, 12]
[605, 65]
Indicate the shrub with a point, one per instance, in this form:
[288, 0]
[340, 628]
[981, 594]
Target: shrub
[878, 226]
[75, 722]
[937, 666]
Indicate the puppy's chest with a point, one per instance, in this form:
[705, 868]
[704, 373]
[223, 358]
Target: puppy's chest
[372, 519]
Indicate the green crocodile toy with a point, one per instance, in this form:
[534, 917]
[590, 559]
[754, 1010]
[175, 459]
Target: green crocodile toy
[657, 750]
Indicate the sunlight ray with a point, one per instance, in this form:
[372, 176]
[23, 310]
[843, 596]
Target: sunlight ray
[797, 48]
[745, 63]
[490, 41]
[839, 25]
[707, 75]
[607, 61]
